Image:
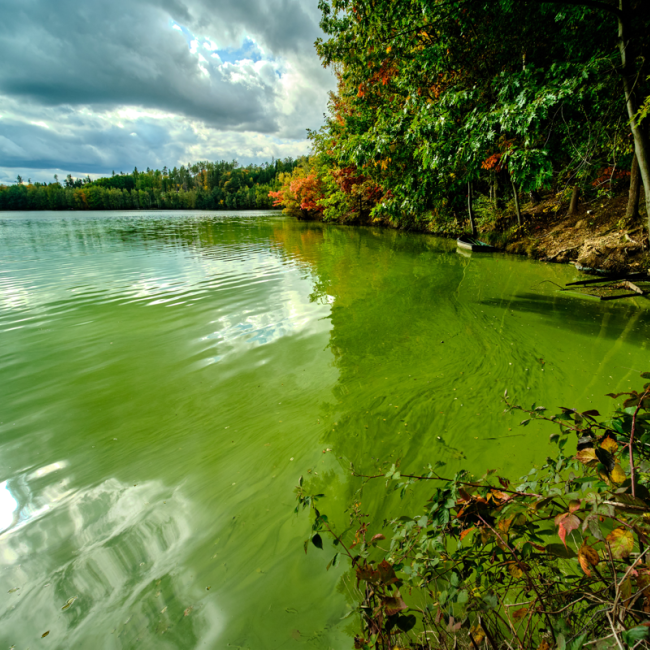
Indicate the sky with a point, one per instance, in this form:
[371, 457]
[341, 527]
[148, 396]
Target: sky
[96, 87]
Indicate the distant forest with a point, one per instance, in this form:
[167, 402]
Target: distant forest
[201, 186]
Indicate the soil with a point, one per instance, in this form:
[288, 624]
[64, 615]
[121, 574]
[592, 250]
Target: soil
[597, 236]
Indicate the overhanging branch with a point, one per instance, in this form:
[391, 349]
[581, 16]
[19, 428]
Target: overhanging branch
[592, 4]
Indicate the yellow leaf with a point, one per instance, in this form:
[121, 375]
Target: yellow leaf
[477, 633]
[621, 542]
[515, 571]
[587, 456]
[618, 475]
[609, 444]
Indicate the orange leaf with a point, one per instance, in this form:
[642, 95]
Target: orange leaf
[504, 524]
[519, 614]
[501, 495]
[466, 532]
[587, 556]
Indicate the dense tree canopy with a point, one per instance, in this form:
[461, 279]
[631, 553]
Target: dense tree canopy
[204, 185]
[508, 96]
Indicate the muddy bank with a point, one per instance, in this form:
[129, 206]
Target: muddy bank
[597, 236]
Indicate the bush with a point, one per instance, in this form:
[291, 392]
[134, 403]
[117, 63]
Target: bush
[555, 560]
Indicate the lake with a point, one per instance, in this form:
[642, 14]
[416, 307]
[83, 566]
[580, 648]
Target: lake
[167, 377]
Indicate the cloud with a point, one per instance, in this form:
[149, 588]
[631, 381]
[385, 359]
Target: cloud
[188, 77]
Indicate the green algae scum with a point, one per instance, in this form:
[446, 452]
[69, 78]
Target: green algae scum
[167, 378]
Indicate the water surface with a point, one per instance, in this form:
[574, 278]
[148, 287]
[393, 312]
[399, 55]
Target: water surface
[166, 378]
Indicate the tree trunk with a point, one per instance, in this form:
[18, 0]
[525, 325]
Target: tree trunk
[641, 147]
[632, 211]
[573, 208]
[470, 208]
[516, 195]
[641, 144]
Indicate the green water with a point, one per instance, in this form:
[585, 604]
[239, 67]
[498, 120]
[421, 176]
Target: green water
[166, 378]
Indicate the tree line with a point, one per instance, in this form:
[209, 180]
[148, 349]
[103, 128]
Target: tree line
[444, 105]
[200, 186]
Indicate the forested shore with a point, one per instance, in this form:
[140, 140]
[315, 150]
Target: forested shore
[200, 186]
[527, 122]
[502, 118]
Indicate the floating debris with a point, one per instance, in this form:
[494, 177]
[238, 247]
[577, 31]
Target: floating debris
[69, 602]
[614, 287]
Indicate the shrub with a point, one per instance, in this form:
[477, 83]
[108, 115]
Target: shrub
[558, 559]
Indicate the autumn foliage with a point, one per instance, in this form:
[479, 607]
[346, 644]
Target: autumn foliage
[316, 191]
[558, 559]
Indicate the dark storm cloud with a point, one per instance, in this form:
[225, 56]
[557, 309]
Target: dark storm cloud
[126, 53]
[91, 150]
[75, 66]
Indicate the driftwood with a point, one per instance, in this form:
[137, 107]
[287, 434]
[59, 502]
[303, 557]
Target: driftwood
[611, 278]
[612, 282]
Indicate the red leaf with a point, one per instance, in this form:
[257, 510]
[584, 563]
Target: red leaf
[566, 523]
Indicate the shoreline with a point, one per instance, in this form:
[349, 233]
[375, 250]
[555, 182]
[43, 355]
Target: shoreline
[597, 237]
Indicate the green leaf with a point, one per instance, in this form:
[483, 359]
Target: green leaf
[406, 623]
[633, 636]
[317, 541]
[579, 642]
[559, 550]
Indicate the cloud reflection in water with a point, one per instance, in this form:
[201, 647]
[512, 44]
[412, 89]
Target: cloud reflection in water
[116, 549]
